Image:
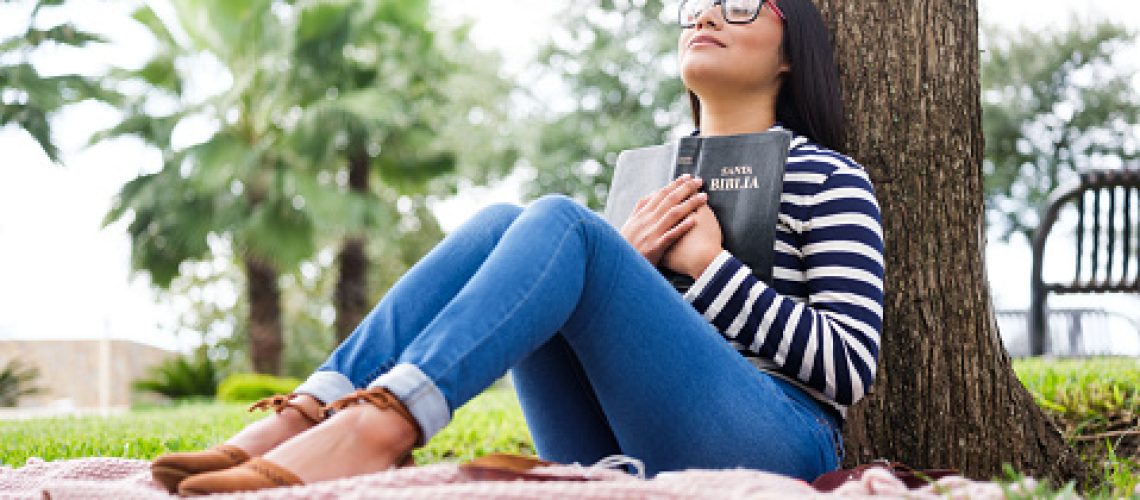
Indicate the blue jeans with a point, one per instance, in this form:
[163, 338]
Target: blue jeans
[607, 358]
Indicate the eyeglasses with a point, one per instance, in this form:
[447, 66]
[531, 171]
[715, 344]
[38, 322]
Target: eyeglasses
[734, 11]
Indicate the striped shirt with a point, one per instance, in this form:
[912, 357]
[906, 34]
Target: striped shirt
[818, 324]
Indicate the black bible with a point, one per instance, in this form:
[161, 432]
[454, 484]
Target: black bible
[743, 176]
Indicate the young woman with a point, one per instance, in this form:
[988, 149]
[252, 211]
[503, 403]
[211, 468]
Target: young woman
[606, 356]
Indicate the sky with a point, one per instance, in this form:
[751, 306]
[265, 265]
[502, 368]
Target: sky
[62, 275]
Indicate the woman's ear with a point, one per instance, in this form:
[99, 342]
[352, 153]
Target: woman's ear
[784, 69]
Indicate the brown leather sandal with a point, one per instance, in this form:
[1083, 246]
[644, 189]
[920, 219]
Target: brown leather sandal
[172, 468]
[258, 473]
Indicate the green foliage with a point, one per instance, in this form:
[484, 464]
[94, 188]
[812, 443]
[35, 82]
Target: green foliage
[618, 62]
[247, 387]
[1054, 105]
[491, 422]
[28, 99]
[315, 88]
[182, 377]
[16, 381]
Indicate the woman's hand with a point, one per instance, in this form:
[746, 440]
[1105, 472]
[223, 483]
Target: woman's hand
[661, 218]
[694, 251]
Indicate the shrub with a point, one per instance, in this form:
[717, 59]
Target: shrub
[16, 382]
[245, 387]
[183, 377]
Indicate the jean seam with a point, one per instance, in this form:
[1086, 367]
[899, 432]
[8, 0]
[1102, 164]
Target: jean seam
[613, 282]
[579, 375]
[549, 265]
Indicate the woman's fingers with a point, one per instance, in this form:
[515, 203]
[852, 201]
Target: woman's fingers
[680, 210]
[659, 198]
[671, 236]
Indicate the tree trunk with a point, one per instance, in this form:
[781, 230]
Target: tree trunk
[265, 338]
[351, 295]
[945, 393]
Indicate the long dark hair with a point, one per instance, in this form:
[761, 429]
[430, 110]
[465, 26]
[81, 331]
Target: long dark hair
[809, 102]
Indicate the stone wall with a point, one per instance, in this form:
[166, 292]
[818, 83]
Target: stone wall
[84, 373]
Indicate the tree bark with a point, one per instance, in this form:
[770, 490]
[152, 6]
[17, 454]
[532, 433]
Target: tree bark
[265, 334]
[351, 296]
[945, 393]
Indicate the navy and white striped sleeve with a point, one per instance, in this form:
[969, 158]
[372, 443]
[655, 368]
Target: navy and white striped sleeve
[830, 341]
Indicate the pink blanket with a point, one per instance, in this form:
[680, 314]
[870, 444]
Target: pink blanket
[122, 479]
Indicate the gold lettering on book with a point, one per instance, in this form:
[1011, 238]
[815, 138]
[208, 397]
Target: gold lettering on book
[734, 179]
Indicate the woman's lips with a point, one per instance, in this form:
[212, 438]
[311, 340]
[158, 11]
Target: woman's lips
[705, 40]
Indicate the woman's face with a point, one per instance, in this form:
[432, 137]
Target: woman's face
[721, 58]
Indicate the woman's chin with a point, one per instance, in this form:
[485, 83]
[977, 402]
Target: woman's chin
[697, 72]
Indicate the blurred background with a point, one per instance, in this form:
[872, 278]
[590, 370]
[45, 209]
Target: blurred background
[196, 189]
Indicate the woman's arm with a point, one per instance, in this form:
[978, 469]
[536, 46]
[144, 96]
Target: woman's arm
[831, 342]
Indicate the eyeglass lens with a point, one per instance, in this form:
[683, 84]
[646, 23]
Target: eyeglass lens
[734, 11]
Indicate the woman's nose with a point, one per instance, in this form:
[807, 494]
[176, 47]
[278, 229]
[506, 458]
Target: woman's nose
[709, 16]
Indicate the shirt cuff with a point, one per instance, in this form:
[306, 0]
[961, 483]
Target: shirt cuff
[698, 287]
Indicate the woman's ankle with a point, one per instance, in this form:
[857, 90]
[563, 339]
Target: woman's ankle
[379, 429]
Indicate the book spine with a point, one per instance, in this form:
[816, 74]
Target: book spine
[688, 152]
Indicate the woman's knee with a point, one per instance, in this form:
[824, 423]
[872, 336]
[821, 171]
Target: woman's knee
[557, 204]
[497, 215]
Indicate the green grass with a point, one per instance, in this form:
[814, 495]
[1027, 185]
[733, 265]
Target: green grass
[1087, 398]
[1096, 404]
[491, 422]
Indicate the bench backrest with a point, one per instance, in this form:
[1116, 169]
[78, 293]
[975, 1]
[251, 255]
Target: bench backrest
[1107, 246]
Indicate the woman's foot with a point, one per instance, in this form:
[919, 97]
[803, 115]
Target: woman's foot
[263, 435]
[292, 416]
[357, 439]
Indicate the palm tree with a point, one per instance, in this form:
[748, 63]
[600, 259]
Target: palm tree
[237, 184]
[382, 94]
[326, 97]
[28, 100]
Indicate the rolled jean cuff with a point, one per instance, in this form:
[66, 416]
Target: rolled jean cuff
[326, 386]
[420, 395]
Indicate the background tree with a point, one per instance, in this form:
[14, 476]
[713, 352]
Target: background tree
[945, 393]
[28, 99]
[237, 184]
[1054, 104]
[617, 63]
[377, 87]
[340, 120]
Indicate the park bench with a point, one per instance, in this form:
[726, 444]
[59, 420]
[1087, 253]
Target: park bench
[1107, 251]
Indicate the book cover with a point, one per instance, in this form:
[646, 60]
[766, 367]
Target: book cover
[743, 175]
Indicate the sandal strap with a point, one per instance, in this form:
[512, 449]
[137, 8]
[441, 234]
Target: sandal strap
[235, 454]
[279, 402]
[381, 398]
[276, 474]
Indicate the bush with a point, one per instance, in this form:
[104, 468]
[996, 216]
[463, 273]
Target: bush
[16, 381]
[245, 387]
[183, 377]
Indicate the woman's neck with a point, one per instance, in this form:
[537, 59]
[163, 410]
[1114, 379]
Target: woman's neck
[737, 116]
